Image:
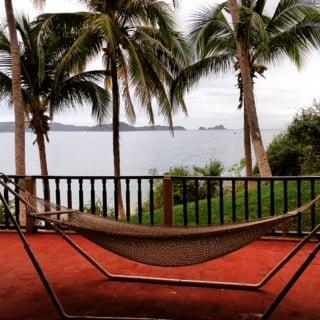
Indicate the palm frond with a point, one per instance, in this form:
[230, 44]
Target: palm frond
[207, 24]
[59, 34]
[296, 41]
[80, 90]
[108, 31]
[78, 55]
[174, 58]
[5, 88]
[4, 41]
[212, 65]
[6, 91]
[290, 12]
[139, 78]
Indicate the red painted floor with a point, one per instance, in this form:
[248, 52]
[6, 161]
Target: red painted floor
[83, 290]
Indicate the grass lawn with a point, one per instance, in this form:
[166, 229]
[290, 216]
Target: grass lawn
[240, 214]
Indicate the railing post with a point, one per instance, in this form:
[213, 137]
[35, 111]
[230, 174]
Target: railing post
[168, 201]
[30, 186]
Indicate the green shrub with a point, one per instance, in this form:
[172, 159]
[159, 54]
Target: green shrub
[238, 168]
[284, 157]
[213, 168]
[99, 209]
[2, 211]
[297, 151]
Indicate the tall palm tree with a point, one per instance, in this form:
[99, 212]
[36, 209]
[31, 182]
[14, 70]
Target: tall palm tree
[43, 93]
[251, 123]
[292, 30]
[16, 92]
[142, 55]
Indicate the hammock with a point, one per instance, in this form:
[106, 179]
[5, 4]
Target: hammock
[167, 246]
[159, 245]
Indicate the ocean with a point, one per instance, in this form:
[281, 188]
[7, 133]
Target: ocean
[90, 153]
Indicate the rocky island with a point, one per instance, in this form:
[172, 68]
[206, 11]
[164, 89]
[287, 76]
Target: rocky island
[219, 127]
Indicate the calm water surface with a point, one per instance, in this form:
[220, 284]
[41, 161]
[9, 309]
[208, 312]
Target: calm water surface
[90, 153]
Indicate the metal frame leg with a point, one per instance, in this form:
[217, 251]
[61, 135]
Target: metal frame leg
[291, 282]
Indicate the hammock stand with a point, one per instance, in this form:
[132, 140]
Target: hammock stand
[57, 225]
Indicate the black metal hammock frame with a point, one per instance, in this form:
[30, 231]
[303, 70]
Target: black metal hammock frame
[58, 225]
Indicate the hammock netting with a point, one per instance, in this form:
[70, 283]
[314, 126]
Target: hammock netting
[158, 245]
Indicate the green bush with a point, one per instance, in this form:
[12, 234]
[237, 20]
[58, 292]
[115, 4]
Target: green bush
[99, 209]
[2, 211]
[297, 151]
[284, 157]
[213, 168]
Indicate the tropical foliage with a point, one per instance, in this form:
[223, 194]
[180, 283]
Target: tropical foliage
[212, 168]
[45, 88]
[142, 54]
[292, 31]
[297, 151]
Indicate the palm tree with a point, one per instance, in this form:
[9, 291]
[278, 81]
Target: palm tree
[142, 55]
[251, 124]
[43, 93]
[16, 92]
[293, 29]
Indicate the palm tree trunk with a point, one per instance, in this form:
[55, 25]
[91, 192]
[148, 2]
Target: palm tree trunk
[43, 164]
[116, 135]
[42, 154]
[249, 100]
[247, 144]
[16, 92]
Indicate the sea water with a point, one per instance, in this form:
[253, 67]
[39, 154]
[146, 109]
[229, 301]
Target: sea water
[90, 153]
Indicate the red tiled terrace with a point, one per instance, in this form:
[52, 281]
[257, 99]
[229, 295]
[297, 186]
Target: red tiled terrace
[83, 290]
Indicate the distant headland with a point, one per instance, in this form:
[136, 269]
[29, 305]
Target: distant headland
[219, 127]
[55, 126]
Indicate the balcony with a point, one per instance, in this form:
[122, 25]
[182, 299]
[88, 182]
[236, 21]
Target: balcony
[82, 290]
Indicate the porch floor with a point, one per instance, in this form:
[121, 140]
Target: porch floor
[83, 290]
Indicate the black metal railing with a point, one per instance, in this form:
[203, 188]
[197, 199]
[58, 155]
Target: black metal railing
[94, 194]
[247, 198]
[198, 200]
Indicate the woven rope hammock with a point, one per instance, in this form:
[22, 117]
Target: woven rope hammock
[158, 245]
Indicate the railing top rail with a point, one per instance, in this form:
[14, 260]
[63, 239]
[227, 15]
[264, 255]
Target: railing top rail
[84, 177]
[225, 178]
[247, 178]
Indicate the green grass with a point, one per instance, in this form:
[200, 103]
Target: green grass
[240, 211]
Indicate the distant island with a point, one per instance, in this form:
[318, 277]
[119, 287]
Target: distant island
[54, 126]
[219, 127]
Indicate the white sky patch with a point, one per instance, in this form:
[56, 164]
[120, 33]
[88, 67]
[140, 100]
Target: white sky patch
[214, 100]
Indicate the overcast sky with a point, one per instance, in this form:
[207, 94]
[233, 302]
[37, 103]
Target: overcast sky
[213, 101]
